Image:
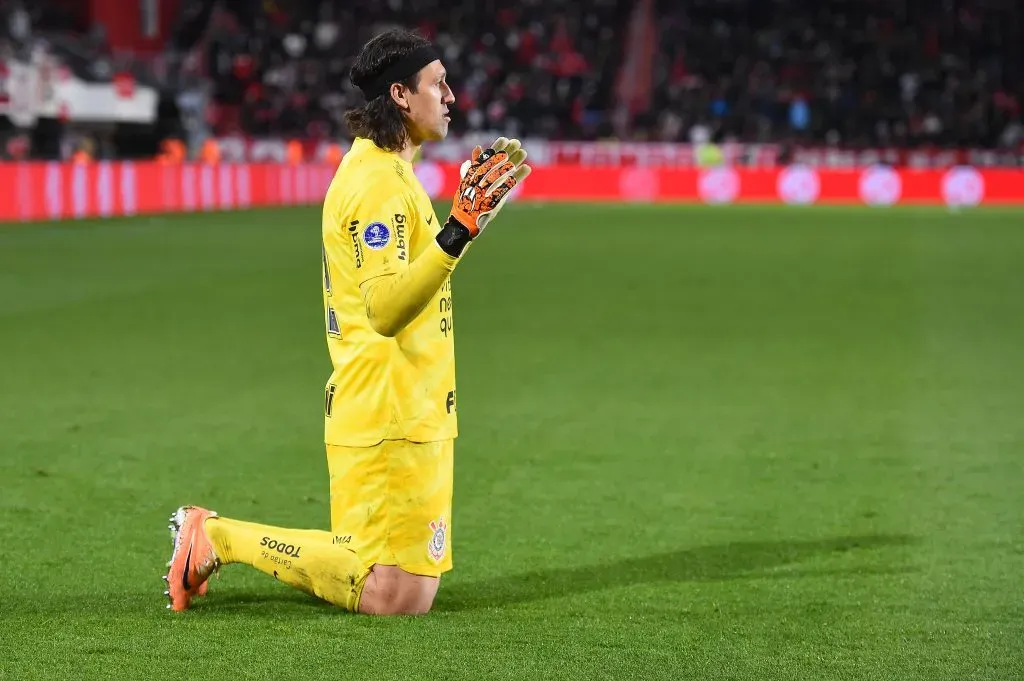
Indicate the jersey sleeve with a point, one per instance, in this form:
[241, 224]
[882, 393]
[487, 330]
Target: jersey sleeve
[379, 231]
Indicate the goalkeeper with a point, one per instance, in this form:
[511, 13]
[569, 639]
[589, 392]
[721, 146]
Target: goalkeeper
[390, 403]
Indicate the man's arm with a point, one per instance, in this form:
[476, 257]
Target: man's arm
[392, 301]
[395, 289]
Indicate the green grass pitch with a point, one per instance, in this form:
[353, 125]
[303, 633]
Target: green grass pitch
[697, 443]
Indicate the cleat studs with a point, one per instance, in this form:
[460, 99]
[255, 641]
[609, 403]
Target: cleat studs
[165, 578]
[167, 593]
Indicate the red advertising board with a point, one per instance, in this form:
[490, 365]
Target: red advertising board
[616, 154]
[53, 191]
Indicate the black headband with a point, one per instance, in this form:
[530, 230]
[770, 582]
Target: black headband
[407, 66]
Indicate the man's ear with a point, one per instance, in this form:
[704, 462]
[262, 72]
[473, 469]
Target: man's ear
[400, 95]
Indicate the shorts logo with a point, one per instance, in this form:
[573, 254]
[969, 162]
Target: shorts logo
[376, 235]
[436, 545]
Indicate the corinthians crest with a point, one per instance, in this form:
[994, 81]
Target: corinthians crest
[438, 540]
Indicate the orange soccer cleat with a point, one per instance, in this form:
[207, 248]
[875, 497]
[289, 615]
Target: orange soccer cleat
[193, 559]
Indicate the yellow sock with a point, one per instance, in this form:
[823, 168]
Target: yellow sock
[305, 559]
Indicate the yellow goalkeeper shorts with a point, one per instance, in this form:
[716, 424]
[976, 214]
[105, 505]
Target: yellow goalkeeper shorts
[392, 503]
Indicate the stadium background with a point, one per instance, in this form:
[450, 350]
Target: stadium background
[706, 101]
[758, 441]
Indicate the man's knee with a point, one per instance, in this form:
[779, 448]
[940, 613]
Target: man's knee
[390, 590]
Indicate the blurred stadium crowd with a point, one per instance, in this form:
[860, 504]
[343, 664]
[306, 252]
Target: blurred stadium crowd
[860, 72]
[546, 67]
[849, 72]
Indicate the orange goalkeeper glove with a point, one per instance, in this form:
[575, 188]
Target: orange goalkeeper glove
[486, 182]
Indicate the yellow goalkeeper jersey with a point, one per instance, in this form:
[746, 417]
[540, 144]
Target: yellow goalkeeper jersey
[377, 218]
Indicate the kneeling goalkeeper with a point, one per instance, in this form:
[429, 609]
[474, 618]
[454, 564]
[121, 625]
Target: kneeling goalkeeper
[390, 403]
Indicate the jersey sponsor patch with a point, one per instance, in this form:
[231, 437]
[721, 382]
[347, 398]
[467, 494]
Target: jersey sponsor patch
[400, 243]
[357, 248]
[376, 235]
[327, 270]
[332, 323]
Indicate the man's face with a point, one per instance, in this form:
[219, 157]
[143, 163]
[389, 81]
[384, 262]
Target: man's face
[428, 106]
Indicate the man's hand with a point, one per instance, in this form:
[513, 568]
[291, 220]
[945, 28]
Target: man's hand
[486, 182]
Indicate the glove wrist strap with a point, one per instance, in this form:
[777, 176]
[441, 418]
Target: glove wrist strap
[453, 237]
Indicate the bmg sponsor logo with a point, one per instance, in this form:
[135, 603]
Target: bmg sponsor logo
[400, 242]
[357, 246]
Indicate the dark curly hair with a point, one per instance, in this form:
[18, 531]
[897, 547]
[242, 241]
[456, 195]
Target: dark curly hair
[380, 119]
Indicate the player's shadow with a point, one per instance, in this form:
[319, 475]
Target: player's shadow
[737, 560]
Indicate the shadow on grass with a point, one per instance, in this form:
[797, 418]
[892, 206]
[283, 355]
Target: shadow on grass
[276, 603]
[721, 562]
[737, 560]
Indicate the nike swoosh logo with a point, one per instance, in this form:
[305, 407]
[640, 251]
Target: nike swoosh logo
[184, 575]
[430, 219]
